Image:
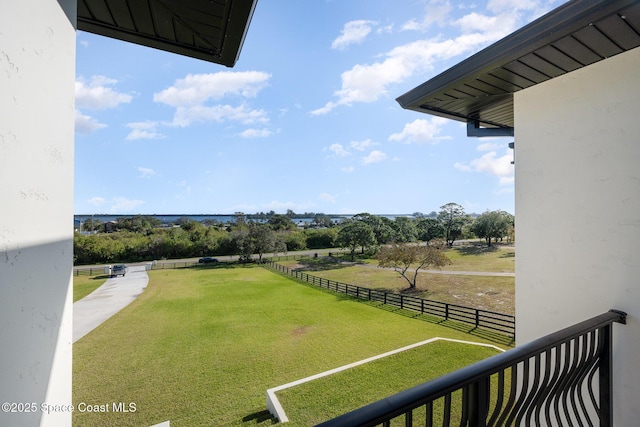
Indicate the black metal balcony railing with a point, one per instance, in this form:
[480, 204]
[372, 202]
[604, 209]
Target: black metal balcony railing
[562, 379]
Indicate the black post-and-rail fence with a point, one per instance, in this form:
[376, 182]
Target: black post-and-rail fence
[499, 322]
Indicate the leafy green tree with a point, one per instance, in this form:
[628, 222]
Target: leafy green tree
[184, 220]
[138, 223]
[91, 224]
[452, 218]
[177, 244]
[407, 259]
[240, 219]
[492, 225]
[263, 239]
[355, 234]
[382, 227]
[212, 223]
[321, 220]
[321, 238]
[429, 229]
[279, 222]
[405, 229]
[242, 244]
[280, 245]
[294, 240]
[225, 245]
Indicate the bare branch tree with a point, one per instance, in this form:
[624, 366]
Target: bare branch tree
[408, 259]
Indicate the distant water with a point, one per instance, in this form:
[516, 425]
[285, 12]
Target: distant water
[172, 219]
[166, 219]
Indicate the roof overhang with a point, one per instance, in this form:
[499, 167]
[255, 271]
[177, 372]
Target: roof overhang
[211, 30]
[479, 90]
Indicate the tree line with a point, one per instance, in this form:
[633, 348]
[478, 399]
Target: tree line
[144, 238]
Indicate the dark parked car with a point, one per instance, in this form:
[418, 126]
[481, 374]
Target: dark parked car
[207, 260]
[118, 269]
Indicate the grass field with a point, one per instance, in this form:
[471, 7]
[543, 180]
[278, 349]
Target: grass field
[84, 285]
[202, 346]
[363, 384]
[483, 292]
[476, 257]
[467, 257]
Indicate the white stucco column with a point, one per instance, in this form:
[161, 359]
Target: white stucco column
[37, 75]
[577, 166]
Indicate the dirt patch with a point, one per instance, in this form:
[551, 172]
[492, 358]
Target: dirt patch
[302, 330]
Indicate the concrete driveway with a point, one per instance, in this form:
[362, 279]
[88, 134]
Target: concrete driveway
[115, 294]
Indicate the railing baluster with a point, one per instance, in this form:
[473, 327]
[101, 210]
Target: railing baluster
[499, 399]
[446, 411]
[428, 417]
[408, 418]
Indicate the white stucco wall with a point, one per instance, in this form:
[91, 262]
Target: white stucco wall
[37, 75]
[577, 145]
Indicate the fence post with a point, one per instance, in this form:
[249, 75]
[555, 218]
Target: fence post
[604, 376]
[477, 318]
[401, 301]
[446, 311]
[422, 306]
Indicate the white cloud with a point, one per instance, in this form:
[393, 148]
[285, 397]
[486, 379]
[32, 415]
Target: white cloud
[146, 172]
[328, 107]
[96, 201]
[256, 133]
[498, 6]
[122, 204]
[491, 164]
[362, 145]
[185, 116]
[436, 12]
[484, 29]
[374, 157]
[196, 89]
[97, 94]
[143, 130]
[338, 150]
[326, 197]
[387, 29]
[369, 82]
[195, 96]
[421, 130]
[86, 124]
[488, 146]
[353, 32]
[347, 169]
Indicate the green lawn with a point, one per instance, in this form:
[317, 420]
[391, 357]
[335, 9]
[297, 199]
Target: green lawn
[481, 258]
[202, 346]
[84, 285]
[306, 402]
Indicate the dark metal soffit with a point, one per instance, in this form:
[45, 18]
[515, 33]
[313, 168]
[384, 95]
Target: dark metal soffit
[480, 89]
[211, 30]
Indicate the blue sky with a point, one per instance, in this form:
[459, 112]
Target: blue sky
[306, 120]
